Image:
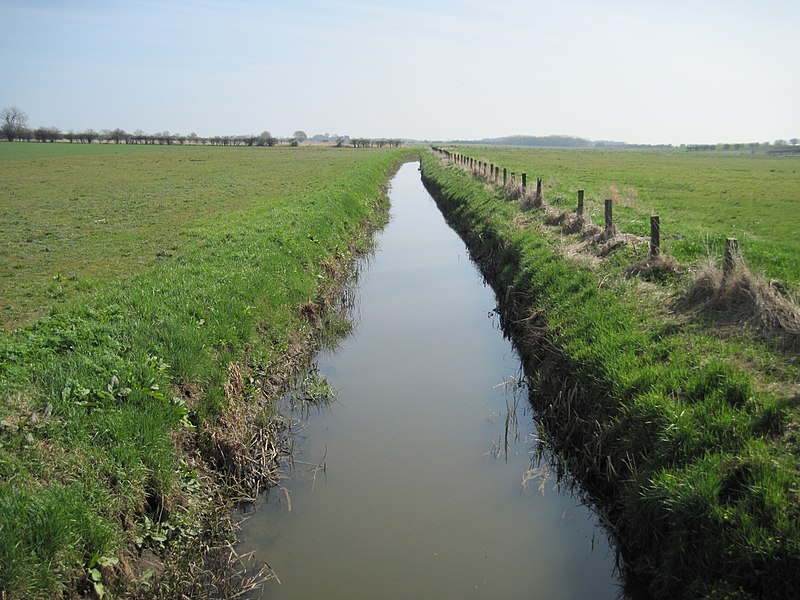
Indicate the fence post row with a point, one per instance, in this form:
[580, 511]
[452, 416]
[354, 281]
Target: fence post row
[731, 244]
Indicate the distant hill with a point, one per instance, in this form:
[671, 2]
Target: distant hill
[553, 141]
[547, 141]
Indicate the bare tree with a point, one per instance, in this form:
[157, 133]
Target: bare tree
[300, 136]
[118, 135]
[47, 134]
[88, 136]
[13, 122]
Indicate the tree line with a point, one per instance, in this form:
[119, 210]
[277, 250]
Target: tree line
[777, 145]
[14, 128]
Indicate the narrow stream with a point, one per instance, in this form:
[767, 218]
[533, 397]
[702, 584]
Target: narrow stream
[426, 449]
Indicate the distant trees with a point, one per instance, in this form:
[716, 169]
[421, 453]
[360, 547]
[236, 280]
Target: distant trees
[118, 135]
[13, 123]
[265, 138]
[47, 134]
[367, 143]
[13, 127]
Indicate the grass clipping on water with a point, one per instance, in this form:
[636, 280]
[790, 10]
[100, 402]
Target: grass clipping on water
[129, 413]
[694, 467]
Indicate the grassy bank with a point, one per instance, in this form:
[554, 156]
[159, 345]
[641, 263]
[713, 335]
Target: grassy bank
[158, 291]
[686, 439]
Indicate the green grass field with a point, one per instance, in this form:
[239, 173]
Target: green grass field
[74, 217]
[701, 197]
[684, 428]
[133, 278]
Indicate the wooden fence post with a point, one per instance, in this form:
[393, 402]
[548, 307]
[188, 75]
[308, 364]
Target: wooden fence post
[524, 181]
[505, 176]
[655, 236]
[731, 254]
[539, 187]
[580, 202]
[609, 214]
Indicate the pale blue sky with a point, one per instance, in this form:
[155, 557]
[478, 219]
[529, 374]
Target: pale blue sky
[638, 71]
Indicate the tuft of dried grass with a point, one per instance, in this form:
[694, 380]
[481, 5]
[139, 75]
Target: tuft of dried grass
[629, 197]
[513, 191]
[572, 223]
[655, 268]
[743, 298]
[533, 201]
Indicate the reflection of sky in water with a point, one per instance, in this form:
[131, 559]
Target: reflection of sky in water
[415, 501]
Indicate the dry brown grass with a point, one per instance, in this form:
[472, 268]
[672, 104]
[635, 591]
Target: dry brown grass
[513, 191]
[742, 298]
[570, 223]
[655, 267]
[628, 197]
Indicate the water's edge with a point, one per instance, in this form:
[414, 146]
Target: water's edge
[417, 469]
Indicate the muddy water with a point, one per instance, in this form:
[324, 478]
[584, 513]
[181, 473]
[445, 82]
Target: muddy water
[426, 449]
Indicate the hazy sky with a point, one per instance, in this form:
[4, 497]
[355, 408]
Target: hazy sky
[638, 71]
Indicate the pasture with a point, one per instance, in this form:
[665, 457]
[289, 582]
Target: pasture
[74, 217]
[701, 197]
[149, 296]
